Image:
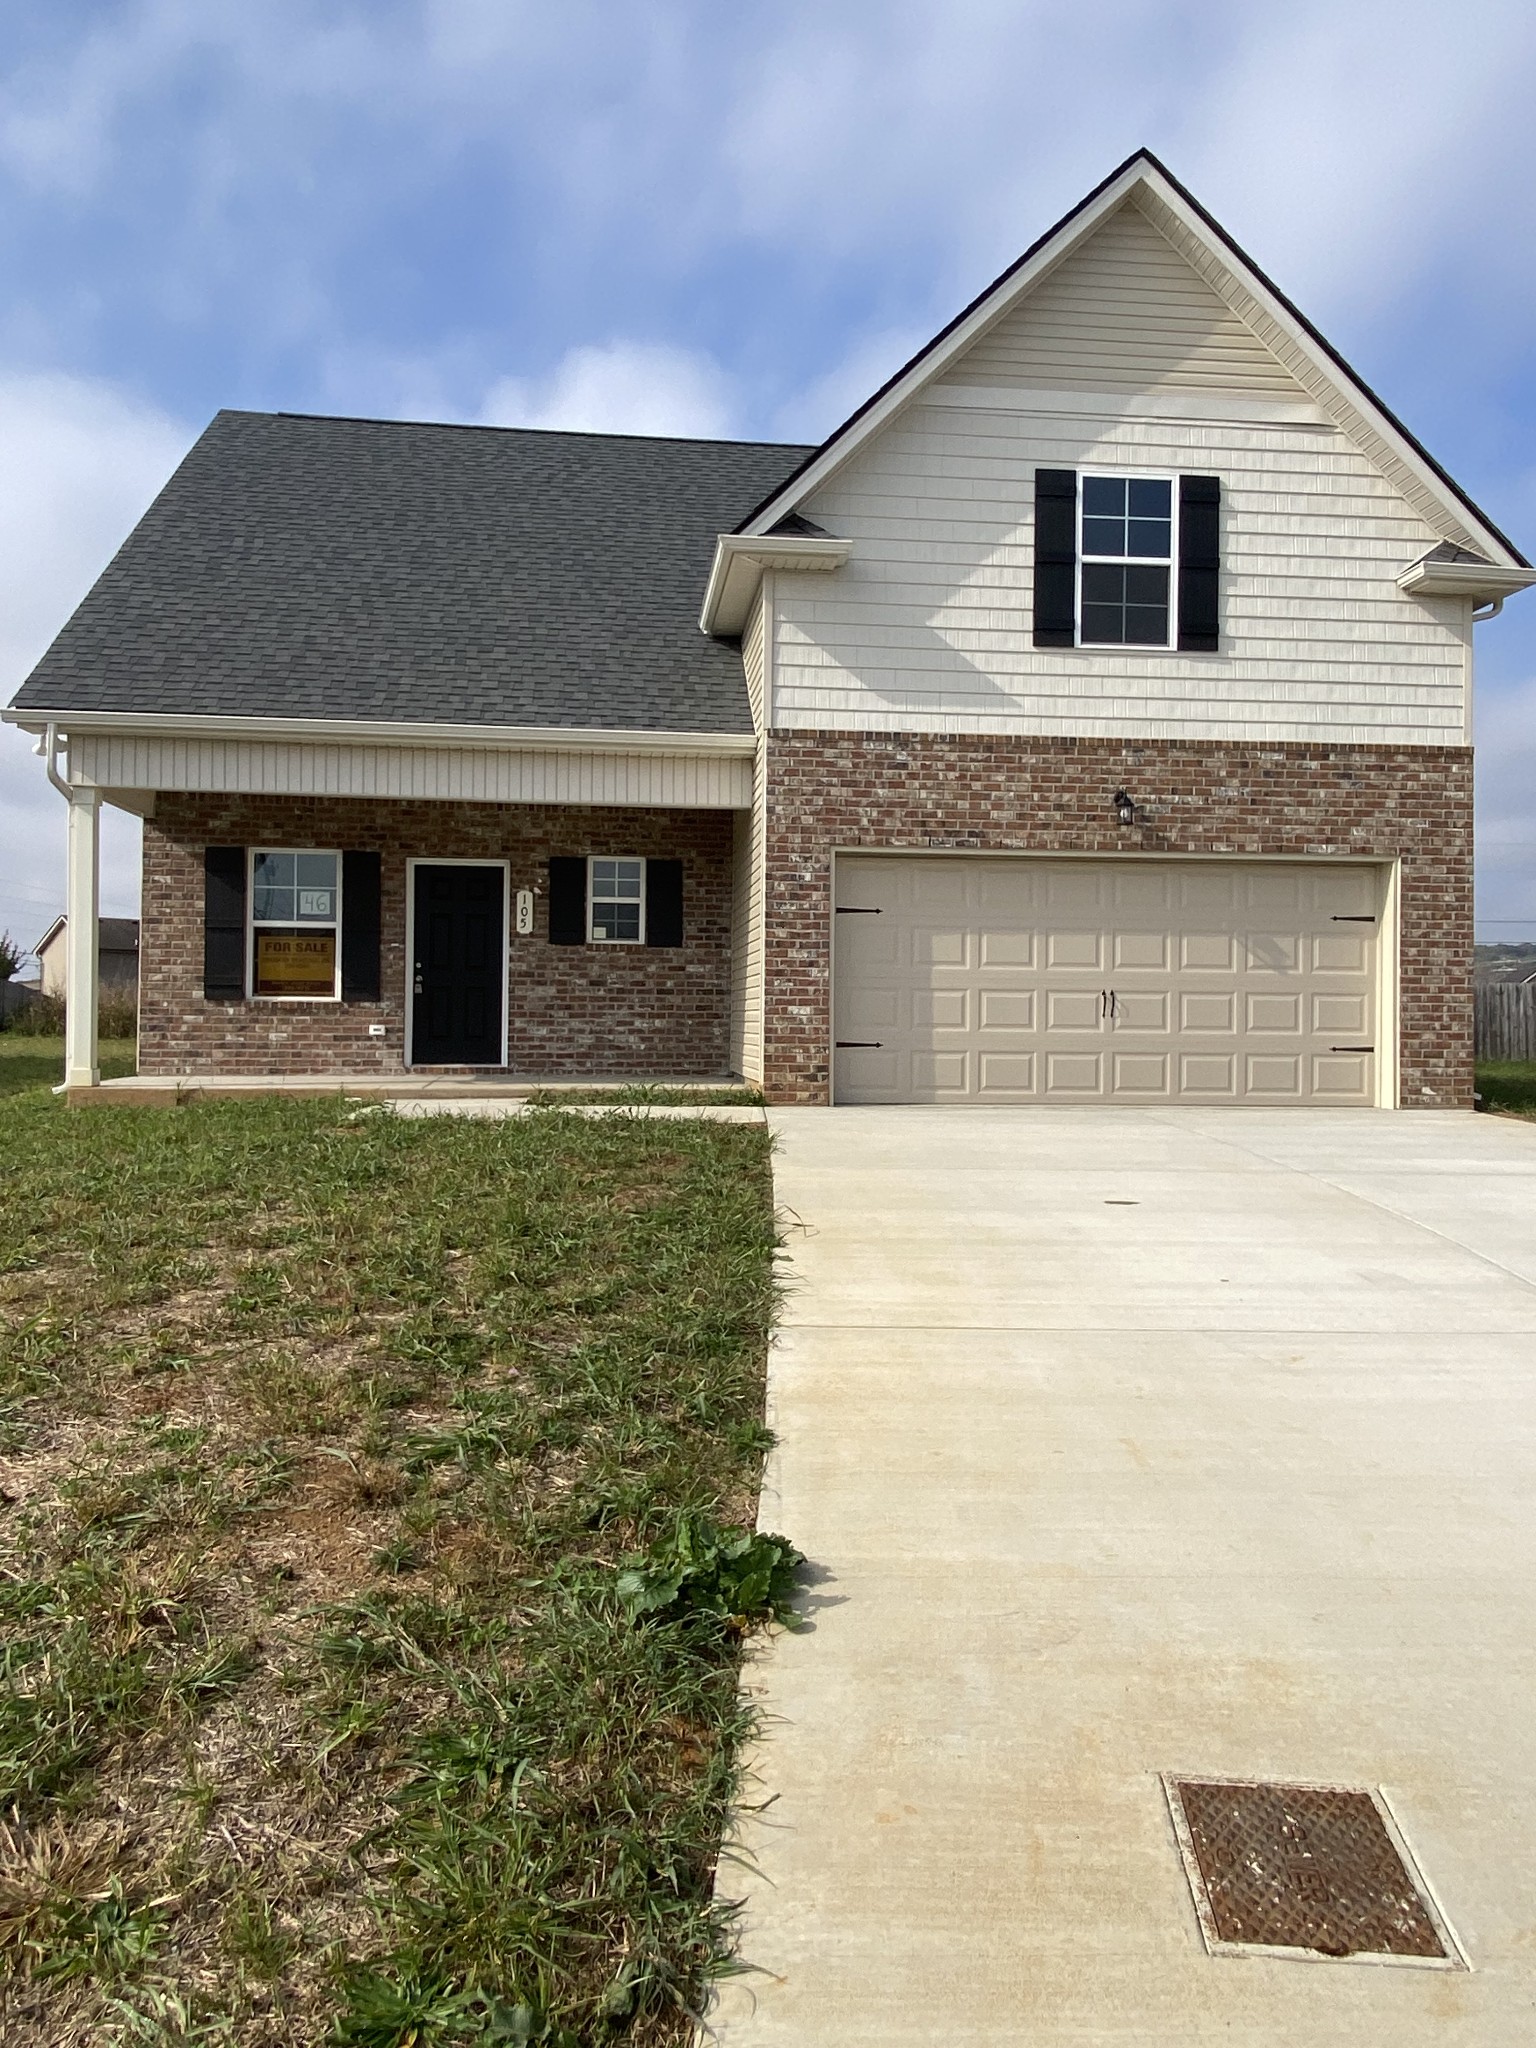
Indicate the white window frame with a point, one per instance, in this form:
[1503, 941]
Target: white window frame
[1139, 476]
[592, 900]
[252, 926]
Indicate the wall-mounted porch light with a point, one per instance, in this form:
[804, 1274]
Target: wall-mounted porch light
[1125, 807]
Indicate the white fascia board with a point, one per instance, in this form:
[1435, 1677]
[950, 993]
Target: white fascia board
[1477, 580]
[741, 559]
[1329, 376]
[385, 732]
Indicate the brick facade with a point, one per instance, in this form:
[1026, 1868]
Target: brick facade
[885, 792]
[573, 1011]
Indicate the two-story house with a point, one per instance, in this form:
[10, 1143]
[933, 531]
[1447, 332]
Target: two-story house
[1087, 720]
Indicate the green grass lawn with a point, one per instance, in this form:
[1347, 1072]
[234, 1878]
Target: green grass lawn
[1508, 1084]
[27, 1062]
[323, 1436]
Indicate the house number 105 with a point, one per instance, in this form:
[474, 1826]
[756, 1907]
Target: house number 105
[524, 912]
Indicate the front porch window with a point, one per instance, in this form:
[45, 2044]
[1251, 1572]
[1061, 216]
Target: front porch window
[295, 924]
[616, 902]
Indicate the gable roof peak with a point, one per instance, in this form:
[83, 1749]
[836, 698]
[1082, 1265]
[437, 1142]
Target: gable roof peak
[1252, 296]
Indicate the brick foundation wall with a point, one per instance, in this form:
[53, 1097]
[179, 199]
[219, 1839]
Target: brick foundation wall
[887, 792]
[574, 1012]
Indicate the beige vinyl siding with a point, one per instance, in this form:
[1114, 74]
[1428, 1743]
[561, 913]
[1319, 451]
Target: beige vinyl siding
[1332, 396]
[502, 776]
[1125, 312]
[748, 874]
[929, 626]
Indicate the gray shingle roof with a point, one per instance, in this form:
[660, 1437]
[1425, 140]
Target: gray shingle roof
[334, 568]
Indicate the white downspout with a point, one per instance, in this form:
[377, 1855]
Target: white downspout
[82, 941]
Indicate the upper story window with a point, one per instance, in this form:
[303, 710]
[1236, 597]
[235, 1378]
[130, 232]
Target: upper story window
[1127, 561]
[1127, 555]
[616, 896]
[295, 923]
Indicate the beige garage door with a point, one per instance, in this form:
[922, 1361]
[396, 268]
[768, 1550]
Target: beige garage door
[970, 980]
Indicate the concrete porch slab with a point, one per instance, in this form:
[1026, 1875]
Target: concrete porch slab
[161, 1090]
[1181, 1442]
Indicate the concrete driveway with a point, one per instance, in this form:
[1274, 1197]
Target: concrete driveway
[1131, 1442]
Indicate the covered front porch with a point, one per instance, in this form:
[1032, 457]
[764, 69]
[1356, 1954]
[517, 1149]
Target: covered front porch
[403, 922]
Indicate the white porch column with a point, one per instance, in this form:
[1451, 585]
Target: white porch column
[82, 943]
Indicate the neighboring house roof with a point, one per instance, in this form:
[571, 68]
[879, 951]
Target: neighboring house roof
[303, 567]
[113, 934]
[1315, 364]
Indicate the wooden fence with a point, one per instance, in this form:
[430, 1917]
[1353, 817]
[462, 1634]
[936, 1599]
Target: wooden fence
[1506, 1020]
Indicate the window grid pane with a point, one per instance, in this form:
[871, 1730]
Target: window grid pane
[618, 889]
[293, 888]
[1128, 518]
[1124, 607]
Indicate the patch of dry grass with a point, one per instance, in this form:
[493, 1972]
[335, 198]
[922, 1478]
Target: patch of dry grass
[321, 1436]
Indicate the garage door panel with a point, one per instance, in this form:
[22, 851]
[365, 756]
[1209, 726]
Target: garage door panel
[1341, 952]
[1068, 1009]
[1004, 950]
[1340, 1077]
[1074, 1073]
[1007, 1009]
[1139, 1073]
[1207, 952]
[1207, 1075]
[1341, 1016]
[1204, 1010]
[1145, 951]
[1104, 981]
[1074, 949]
[940, 1073]
[1006, 1074]
[1274, 1074]
[1272, 952]
[1143, 1010]
[1273, 1012]
[932, 947]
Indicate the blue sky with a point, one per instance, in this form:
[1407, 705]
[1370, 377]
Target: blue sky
[696, 218]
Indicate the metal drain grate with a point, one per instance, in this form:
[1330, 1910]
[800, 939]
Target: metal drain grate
[1315, 1870]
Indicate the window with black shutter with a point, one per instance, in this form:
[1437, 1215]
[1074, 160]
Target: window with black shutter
[1127, 561]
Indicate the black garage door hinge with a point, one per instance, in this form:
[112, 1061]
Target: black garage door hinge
[1351, 1048]
[1354, 917]
[858, 1044]
[856, 910]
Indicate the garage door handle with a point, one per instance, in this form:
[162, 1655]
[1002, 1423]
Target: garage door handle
[1351, 1048]
[858, 1044]
[1354, 917]
[856, 910]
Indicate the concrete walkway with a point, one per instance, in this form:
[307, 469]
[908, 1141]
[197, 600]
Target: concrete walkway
[1130, 1442]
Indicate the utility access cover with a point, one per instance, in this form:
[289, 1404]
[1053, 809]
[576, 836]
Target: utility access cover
[1304, 1870]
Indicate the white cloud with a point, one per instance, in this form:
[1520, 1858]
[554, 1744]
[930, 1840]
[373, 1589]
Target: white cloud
[622, 387]
[81, 462]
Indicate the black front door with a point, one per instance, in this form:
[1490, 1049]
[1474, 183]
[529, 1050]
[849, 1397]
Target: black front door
[459, 967]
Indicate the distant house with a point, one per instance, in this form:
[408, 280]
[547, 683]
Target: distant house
[1086, 720]
[117, 955]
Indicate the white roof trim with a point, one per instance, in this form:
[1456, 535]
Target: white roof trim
[740, 561]
[1482, 581]
[386, 732]
[1234, 278]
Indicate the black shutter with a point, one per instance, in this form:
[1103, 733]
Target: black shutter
[567, 901]
[360, 890]
[1055, 557]
[1199, 564]
[663, 903]
[224, 924]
